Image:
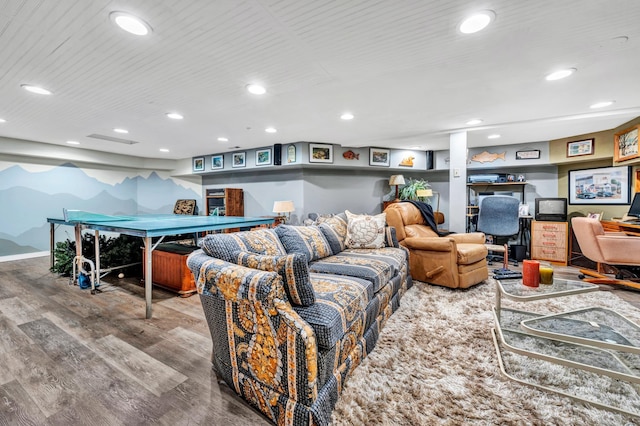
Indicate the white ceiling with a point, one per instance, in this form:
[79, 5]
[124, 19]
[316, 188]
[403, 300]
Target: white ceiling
[409, 77]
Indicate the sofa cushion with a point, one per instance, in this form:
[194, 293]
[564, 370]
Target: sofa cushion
[306, 240]
[339, 308]
[334, 229]
[261, 241]
[395, 257]
[293, 268]
[365, 231]
[376, 271]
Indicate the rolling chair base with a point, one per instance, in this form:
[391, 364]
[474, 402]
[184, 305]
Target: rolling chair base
[598, 278]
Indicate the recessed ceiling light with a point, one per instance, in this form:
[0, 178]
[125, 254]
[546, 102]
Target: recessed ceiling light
[270, 130]
[221, 139]
[476, 22]
[2, 120]
[130, 23]
[557, 75]
[416, 147]
[121, 130]
[347, 116]
[35, 89]
[164, 150]
[175, 115]
[494, 136]
[474, 121]
[602, 104]
[256, 89]
[73, 142]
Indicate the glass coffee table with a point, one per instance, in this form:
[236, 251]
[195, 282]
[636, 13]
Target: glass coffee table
[594, 339]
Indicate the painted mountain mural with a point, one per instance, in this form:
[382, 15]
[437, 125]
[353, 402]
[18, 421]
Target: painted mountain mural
[30, 197]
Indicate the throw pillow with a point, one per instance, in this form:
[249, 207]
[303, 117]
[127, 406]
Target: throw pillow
[365, 231]
[390, 238]
[261, 241]
[293, 269]
[307, 240]
[334, 230]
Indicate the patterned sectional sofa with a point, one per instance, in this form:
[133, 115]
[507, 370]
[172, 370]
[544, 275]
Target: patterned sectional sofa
[292, 311]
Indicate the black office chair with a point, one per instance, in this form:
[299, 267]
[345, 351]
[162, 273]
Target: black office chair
[499, 218]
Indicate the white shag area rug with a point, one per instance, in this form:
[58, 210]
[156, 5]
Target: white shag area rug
[435, 364]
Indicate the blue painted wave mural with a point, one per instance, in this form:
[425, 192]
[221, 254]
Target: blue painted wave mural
[30, 194]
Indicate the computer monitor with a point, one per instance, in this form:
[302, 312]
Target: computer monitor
[635, 206]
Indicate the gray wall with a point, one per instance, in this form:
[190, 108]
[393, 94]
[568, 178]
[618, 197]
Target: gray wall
[318, 190]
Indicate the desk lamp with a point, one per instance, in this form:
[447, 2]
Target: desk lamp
[283, 209]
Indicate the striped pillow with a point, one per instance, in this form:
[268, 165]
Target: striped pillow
[293, 269]
[306, 240]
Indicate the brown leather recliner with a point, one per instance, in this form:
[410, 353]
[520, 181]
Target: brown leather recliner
[456, 261]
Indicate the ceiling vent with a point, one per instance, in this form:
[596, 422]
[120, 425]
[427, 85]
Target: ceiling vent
[112, 139]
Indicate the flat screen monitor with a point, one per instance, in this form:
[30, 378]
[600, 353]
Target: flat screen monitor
[551, 209]
[635, 206]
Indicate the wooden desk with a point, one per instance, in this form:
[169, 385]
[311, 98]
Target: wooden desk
[627, 228]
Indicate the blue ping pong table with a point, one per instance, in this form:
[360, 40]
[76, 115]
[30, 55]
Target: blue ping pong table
[146, 227]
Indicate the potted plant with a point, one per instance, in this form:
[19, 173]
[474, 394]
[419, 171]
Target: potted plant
[410, 190]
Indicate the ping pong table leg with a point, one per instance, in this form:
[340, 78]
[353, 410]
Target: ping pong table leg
[147, 276]
[97, 251]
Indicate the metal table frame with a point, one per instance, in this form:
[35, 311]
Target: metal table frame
[146, 227]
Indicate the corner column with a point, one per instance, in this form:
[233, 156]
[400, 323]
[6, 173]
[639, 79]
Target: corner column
[458, 182]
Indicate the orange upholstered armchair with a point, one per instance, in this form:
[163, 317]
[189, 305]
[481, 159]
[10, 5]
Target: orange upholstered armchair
[615, 249]
[456, 260]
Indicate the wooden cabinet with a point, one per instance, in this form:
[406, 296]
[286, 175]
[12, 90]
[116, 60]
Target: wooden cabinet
[549, 241]
[170, 270]
[227, 201]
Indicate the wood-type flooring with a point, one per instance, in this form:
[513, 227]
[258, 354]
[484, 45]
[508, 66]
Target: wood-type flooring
[71, 358]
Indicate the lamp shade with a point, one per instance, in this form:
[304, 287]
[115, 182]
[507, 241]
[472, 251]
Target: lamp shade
[283, 206]
[424, 193]
[396, 180]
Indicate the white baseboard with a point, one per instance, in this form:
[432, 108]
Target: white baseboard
[23, 256]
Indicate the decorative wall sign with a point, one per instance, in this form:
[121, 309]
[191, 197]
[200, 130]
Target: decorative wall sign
[531, 154]
[379, 157]
[578, 148]
[626, 144]
[320, 153]
[217, 162]
[263, 157]
[488, 157]
[607, 185]
[238, 159]
[198, 164]
[291, 154]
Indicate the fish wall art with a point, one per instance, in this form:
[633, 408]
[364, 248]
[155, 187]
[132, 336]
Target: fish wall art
[488, 157]
[350, 155]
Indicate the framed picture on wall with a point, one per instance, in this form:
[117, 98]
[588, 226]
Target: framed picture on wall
[320, 153]
[607, 185]
[198, 164]
[217, 162]
[263, 157]
[379, 157]
[238, 159]
[579, 148]
[626, 144]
